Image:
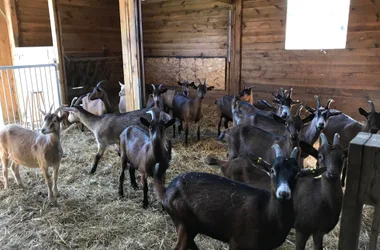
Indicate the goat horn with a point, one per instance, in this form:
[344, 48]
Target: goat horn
[58, 109]
[277, 150]
[151, 112]
[51, 108]
[323, 139]
[98, 85]
[290, 93]
[73, 101]
[372, 106]
[298, 113]
[329, 103]
[336, 139]
[159, 87]
[294, 153]
[318, 102]
[154, 88]
[282, 92]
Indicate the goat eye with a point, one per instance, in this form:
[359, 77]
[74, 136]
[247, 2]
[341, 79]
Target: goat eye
[272, 171]
[286, 124]
[320, 157]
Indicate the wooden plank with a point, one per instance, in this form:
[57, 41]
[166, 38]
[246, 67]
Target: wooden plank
[352, 208]
[129, 22]
[235, 67]
[56, 31]
[8, 99]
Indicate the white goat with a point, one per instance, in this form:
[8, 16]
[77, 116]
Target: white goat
[122, 104]
[33, 149]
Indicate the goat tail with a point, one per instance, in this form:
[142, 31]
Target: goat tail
[159, 180]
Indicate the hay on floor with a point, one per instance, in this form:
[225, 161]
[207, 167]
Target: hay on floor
[91, 215]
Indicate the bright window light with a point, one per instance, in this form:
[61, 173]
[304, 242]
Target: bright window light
[316, 24]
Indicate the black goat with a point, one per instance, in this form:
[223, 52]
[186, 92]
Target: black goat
[143, 150]
[232, 212]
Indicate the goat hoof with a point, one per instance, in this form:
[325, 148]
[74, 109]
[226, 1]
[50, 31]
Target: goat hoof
[92, 171]
[145, 206]
[54, 203]
[135, 187]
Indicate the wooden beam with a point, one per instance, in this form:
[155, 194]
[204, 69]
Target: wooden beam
[132, 60]
[56, 31]
[8, 95]
[11, 12]
[235, 68]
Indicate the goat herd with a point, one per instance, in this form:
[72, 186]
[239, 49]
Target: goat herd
[267, 191]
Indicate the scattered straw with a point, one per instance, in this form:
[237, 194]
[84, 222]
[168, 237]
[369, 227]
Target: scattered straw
[91, 215]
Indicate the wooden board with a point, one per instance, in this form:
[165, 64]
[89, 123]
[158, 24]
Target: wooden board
[168, 71]
[266, 63]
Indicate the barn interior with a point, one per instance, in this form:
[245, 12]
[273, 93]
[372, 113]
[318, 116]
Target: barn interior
[232, 43]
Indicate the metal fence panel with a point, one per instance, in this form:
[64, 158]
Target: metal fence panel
[25, 90]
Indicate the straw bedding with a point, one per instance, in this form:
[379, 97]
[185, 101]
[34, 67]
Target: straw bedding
[90, 214]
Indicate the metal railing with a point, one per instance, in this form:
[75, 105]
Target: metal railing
[25, 90]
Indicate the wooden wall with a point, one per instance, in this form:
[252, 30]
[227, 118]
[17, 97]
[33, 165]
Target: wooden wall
[89, 25]
[186, 39]
[350, 76]
[33, 23]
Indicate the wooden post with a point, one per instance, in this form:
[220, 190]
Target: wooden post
[132, 60]
[235, 72]
[8, 95]
[352, 204]
[11, 13]
[56, 32]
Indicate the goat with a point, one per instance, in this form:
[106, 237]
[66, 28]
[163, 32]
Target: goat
[242, 111]
[122, 101]
[155, 99]
[99, 93]
[224, 106]
[348, 128]
[317, 202]
[247, 96]
[230, 211]
[143, 150]
[106, 128]
[322, 117]
[190, 109]
[34, 150]
[284, 102]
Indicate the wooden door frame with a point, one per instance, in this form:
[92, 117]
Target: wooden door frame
[234, 78]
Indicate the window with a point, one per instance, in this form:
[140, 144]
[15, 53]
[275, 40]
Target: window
[316, 24]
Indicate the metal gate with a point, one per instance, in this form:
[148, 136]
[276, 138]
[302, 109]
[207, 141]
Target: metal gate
[25, 90]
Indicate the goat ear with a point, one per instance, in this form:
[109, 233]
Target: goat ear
[309, 109]
[163, 90]
[279, 119]
[180, 83]
[308, 149]
[210, 88]
[170, 123]
[193, 86]
[363, 112]
[144, 122]
[311, 172]
[334, 113]
[121, 85]
[308, 118]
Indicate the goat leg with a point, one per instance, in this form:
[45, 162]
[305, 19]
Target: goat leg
[52, 199]
[145, 190]
[16, 173]
[225, 123]
[182, 238]
[99, 155]
[198, 131]
[55, 177]
[82, 129]
[219, 125]
[301, 239]
[173, 130]
[318, 240]
[132, 176]
[186, 131]
[122, 175]
[5, 161]
[180, 127]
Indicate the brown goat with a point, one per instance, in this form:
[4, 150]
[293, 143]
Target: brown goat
[34, 150]
[230, 211]
[190, 109]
